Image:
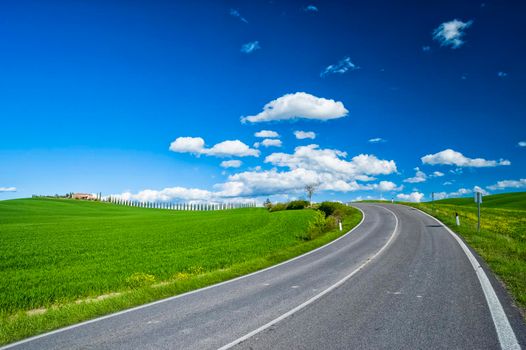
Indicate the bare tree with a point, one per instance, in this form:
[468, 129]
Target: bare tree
[310, 189]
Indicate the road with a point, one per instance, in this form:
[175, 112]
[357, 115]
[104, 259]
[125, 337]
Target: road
[399, 280]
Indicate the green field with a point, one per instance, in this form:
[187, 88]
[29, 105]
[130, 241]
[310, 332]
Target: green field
[516, 200]
[63, 261]
[501, 241]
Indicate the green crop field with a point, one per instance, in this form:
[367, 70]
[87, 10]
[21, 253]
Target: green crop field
[501, 241]
[64, 261]
[516, 200]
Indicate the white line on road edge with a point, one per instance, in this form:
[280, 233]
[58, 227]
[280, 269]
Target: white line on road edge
[318, 296]
[27, 340]
[505, 333]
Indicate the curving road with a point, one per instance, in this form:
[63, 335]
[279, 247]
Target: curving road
[400, 280]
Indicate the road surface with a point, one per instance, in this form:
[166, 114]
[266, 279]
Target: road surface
[399, 280]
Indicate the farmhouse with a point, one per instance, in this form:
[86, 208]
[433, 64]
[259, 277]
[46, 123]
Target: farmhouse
[85, 196]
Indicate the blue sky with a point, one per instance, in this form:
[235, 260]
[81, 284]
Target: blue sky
[93, 95]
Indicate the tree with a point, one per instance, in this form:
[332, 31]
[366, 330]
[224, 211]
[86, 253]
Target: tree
[310, 189]
[267, 203]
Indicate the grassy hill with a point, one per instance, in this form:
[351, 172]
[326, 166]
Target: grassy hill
[64, 261]
[501, 241]
[515, 200]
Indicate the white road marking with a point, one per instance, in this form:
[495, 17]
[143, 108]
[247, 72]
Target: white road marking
[60, 330]
[507, 338]
[318, 296]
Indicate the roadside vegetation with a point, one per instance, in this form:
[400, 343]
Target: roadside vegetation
[65, 261]
[501, 241]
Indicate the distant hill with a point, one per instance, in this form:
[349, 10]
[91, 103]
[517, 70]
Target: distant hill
[514, 200]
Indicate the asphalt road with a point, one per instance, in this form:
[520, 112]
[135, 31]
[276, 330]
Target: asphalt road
[399, 280]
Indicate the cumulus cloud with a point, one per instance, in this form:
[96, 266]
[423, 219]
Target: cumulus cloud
[250, 47]
[420, 176]
[266, 133]
[7, 189]
[343, 66]
[451, 157]
[501, 185]
[299, 105]
[377, 140]
[522, 144]
[329, 168]
[235, 13]
[387, 186]
[196, 145]
[231, 163]
[329, 160]
[301, 135]
[311, 8]
[436, 174]
[269, 143]
[231, 148]
[451, 33]
[412, 197]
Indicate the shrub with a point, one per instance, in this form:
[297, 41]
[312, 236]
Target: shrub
[318, 226]
[299, 204]
[329, 207]
[278, 207]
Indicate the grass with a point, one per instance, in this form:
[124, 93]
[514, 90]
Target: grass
[65, 261]
[501, 241]
[515, 200]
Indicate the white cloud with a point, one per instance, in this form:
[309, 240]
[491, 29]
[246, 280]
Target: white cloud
[502, 74]
[451, 157]
[299, 105]
[231, 148]
[412, 197]
[311, 8]
[188, 145]
[436, 174]
[235, 13]
[451, 33]
[447, 183]
[307, 165]
[328, 160]
[522, 144]
[426, 48]
[231, 163]
[300, 135]
[500, 185]
[250, 47]
[266, 133]
[387, 186]
[270, 142]
[460, 192]
[196, 145]
[377, 140]
[440, 195]
[7, 189]
[420, 176]
[343, 66]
